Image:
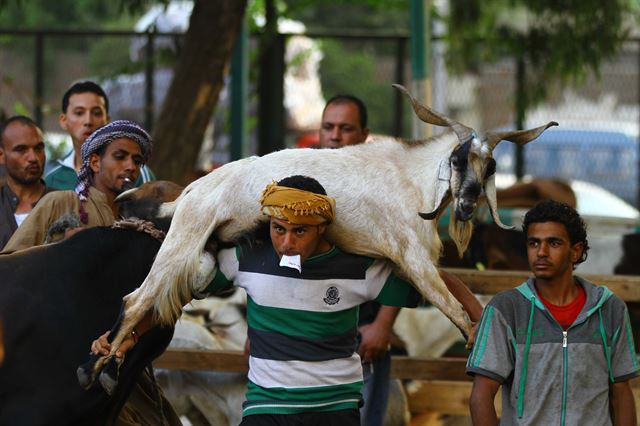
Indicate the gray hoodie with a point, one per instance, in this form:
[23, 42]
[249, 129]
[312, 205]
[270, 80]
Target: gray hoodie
[551, 376]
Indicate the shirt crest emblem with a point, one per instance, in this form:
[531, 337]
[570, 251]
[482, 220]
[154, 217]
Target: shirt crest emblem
[332, 296]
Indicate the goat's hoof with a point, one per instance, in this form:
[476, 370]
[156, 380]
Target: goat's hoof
[86, 372]
[109, 376]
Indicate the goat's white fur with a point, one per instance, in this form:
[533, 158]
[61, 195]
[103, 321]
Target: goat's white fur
[379, 189]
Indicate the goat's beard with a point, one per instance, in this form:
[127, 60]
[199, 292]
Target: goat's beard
[460, 232]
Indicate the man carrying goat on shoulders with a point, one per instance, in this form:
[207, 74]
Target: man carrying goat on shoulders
[303, 297]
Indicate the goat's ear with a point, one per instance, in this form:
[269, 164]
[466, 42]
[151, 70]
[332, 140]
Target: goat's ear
[430, 116]
[519, 137]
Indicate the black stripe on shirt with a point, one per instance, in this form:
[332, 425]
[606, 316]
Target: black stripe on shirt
[280, 347]
[263, 259]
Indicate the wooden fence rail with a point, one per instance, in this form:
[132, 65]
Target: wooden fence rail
[626, 287]
[402, 367]
[445, 387]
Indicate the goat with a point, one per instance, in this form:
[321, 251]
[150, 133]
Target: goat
[381, 190]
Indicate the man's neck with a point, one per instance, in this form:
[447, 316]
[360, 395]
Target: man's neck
[77, 156]
[27, 195]
[559, 291]
[110, 198]
[323, 247]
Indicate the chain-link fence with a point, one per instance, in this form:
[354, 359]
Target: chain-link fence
[597, 139]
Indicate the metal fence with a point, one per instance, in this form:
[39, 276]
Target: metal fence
[135, 69]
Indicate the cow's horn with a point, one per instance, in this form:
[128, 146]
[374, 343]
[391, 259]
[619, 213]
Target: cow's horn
[490, 193]
[519, 137]
[428, 115]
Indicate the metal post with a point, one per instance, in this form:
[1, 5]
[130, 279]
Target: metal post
[399, 78]
[637, 203]
[149, 71]
[420, 54]
[520, 115]
[39, 79]
[271, 119]
[239, 87]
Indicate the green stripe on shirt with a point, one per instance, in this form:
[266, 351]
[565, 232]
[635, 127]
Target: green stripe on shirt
[292, 322]
[296, 400]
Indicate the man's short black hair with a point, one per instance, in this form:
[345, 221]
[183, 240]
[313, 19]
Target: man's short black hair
[305, 183]
[554, 211]
[345, 99]
[84, 87]
[23, 119]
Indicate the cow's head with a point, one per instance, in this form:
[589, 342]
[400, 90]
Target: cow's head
[469, 170]
[145, 201]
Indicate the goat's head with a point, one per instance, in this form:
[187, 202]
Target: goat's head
[469, 170]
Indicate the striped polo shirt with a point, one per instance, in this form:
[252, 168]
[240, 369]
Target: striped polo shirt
[303, 326]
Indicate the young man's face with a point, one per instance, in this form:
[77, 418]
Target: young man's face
[86, 112]
[289, 239]
[341, 126]
[549, 250]
[121, 160]
[22, 153]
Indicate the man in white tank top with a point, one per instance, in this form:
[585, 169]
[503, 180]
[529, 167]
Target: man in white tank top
[22, 153]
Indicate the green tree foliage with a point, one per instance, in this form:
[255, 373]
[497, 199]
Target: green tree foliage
[343, 61]
[381, 16]
[63, 14]
[558, 40]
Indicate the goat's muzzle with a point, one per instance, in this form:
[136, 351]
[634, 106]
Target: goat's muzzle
[465, 209]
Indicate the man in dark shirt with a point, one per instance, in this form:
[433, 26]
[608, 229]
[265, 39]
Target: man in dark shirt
[22, 153]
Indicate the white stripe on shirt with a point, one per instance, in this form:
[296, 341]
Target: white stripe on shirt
[303, 374]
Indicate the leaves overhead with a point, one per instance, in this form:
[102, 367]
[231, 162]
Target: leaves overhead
[559, 40]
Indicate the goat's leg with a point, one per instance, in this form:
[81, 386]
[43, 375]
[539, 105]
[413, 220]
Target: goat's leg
[88, 371]
[148, 297]
[425, 277]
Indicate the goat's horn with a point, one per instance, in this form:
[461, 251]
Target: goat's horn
[442, 203]
[428, 115]
[430, 216]
[492, 200]
[519, 137]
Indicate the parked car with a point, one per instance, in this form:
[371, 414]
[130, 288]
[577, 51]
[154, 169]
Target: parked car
[606, 158]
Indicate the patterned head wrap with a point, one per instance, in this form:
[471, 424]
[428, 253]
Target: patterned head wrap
[297, 206]
[103, 137]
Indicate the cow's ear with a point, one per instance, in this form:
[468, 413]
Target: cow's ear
[94, 163]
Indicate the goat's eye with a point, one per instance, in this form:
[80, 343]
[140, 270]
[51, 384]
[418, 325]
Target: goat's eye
[454, 162]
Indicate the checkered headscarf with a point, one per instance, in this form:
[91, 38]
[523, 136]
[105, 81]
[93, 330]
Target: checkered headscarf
[102, 137]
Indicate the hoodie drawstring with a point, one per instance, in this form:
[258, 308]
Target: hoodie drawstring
[525, 360]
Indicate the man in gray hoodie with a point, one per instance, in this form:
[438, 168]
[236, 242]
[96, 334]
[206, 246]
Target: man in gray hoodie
[560, 346]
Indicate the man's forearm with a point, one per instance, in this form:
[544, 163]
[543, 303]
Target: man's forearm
[481, 401]
[386, 316]
[622, 404]
[483, 414]
[463, 295]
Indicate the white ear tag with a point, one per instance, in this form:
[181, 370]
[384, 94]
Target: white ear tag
[291, 262]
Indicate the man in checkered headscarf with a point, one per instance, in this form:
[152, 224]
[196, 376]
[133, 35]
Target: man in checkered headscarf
[111, 160]
[94, 151]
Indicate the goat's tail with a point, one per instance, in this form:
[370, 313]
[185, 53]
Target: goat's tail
[184, 271]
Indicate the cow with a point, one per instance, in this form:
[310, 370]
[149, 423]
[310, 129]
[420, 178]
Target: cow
[54, 300]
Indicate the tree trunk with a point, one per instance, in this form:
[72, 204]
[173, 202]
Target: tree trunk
[196, 84]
